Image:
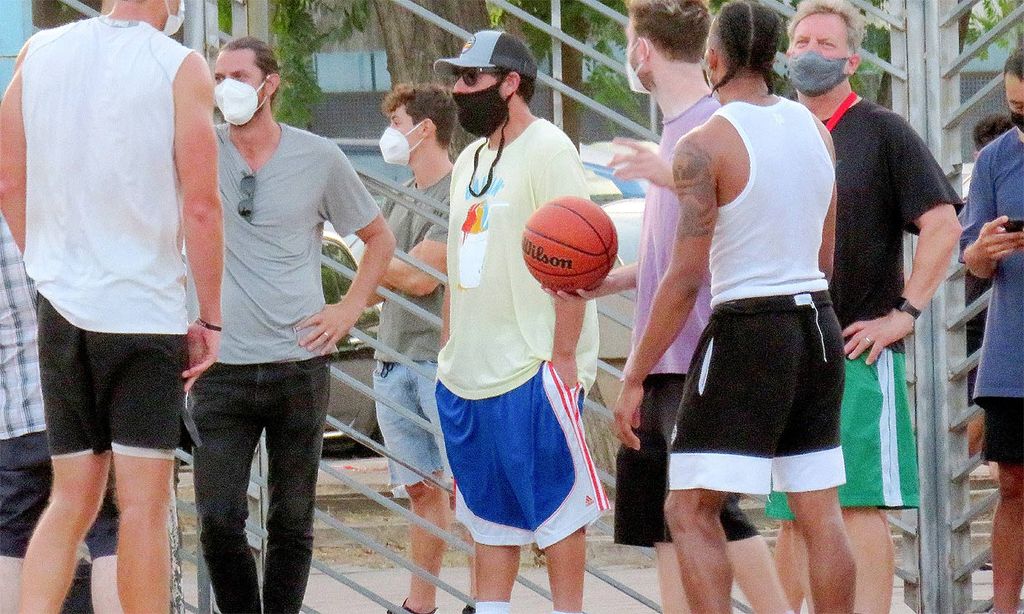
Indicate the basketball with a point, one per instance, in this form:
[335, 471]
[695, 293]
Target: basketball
[570, 244]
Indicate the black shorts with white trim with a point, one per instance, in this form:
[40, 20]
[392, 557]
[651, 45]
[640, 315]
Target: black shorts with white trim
[104, 391]
[761, 405]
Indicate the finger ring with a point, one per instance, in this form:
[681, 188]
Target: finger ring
[324, 335]
[869, 340]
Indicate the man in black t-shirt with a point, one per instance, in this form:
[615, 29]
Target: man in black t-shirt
[888, 182]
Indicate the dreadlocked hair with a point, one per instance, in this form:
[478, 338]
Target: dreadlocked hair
[749, 35]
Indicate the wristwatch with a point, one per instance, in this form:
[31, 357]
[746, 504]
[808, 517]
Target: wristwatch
[904, 305]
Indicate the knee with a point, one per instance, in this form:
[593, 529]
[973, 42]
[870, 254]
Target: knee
[222, 522]
[293, 517]
[143, 513]
[419, 492]
[424, 494]
[685, 515]
[78, 506]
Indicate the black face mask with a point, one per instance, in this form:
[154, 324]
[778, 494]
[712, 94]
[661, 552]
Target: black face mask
[1018, 120]
[481, 113]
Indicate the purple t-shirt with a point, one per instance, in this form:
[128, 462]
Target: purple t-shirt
[657, 237]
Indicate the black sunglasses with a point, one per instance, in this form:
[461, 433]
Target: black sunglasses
[248, 190]
[470, 76]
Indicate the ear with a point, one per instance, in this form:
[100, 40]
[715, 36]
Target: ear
[853, 63]
[712, 59]
[510, 85]
[648, 46]
[428, 128]
[272, 84]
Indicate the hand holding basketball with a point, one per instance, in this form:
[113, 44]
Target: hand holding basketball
[570, 244]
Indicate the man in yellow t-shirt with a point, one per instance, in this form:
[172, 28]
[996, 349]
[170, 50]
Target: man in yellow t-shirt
[515, 361]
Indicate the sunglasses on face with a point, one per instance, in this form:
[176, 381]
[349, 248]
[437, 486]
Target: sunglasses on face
[248, 190]
[470, 76]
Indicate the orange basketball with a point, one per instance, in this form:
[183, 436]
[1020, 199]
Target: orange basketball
[570, 244]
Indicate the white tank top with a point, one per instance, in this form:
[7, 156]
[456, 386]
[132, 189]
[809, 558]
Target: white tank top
[766, 241]
[103, 236]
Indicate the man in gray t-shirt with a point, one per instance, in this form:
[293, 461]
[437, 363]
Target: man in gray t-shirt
[422, 118]
[278, 185]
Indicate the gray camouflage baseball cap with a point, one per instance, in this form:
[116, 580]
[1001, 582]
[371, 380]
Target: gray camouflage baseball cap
[491, 49]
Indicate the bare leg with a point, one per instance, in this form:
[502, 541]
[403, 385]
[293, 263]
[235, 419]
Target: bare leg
[143, 551]
[566, 560]
[875, 556]
[693, 518]
[431, 504]
[496, 569]
[755, 574]
[829, 559]
[10, 583]
[1008, 539]
[78, 486]
[791, 561]
[670, 583]
[104, 586]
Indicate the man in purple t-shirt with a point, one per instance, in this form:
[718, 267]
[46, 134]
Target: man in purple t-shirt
[666, 41]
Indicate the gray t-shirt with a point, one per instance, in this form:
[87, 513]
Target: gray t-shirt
[272, 278]
[400, 328]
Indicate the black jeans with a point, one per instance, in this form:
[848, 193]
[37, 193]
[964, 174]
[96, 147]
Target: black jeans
[233, 405]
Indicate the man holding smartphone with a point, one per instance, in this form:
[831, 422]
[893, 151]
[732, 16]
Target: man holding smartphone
[993, 248]
[279, 185]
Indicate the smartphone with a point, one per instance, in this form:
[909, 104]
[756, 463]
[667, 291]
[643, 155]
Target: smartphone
[1014, 226]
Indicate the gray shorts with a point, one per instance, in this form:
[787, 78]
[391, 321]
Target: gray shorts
[406, 439]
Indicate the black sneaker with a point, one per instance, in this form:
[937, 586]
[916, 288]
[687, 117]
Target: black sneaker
[406, 610]
[469, 610]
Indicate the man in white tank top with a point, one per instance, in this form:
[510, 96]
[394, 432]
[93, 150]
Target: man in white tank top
[109, 165]
[761, 404]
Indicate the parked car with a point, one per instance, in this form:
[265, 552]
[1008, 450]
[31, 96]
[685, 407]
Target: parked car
[354, 357]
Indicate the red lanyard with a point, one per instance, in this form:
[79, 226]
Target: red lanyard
[843, 108]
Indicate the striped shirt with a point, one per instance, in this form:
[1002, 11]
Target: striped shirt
[21, 399]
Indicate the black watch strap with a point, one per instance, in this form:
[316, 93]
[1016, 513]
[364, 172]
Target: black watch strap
[208, 326]
[905, 306]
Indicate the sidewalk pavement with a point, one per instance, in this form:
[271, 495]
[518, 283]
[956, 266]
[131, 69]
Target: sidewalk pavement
[326, 595]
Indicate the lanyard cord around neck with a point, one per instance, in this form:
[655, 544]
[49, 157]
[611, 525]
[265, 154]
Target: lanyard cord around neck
[490, 171]
[841, 111]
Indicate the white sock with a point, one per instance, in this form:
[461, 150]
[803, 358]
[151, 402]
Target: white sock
[493, 607]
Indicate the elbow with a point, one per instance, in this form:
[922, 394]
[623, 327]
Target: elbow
[422, 285]
[203, 213]
[947, 232]
[384, 243]
[953, 231]
[10, 189]
[689, 287]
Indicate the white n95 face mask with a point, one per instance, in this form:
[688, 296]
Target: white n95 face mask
[237, 101]
[394, 145]
[632, 77]
[174, 21]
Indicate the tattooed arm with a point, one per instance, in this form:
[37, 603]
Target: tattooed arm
[693, 172]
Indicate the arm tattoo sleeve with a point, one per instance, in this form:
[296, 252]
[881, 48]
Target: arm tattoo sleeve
[695, 188]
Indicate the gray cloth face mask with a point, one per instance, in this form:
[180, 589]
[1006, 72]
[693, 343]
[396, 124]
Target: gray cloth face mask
[812, 74]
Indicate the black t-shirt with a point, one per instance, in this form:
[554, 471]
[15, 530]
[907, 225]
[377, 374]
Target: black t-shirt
[887, 178]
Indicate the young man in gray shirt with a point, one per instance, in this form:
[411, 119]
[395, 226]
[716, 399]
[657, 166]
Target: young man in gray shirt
[278, 185]
[421, 120]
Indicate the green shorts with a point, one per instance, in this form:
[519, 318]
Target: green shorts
[879, 449]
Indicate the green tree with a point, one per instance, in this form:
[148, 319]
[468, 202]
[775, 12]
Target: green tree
[587, 25]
